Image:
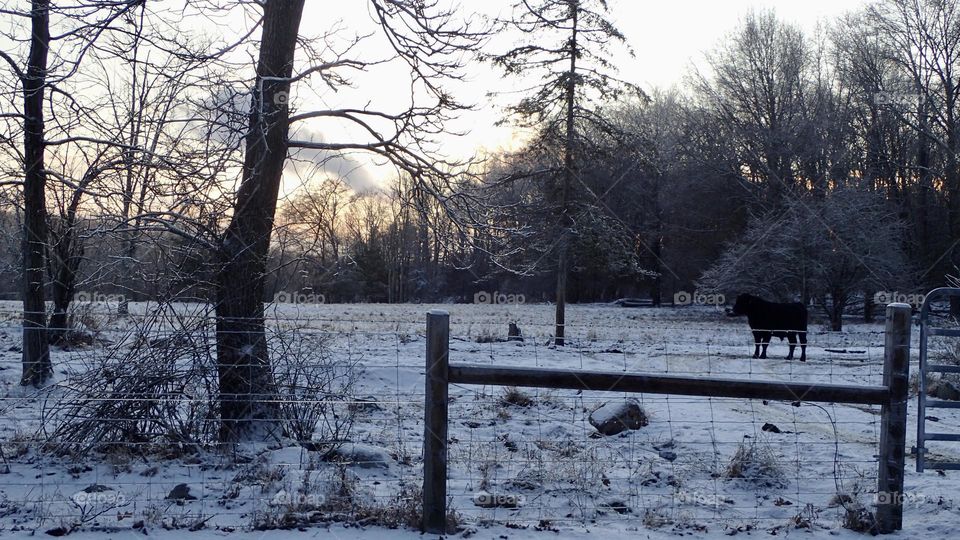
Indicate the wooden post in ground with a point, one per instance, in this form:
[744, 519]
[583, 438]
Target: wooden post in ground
[893, 424]
[435, 423]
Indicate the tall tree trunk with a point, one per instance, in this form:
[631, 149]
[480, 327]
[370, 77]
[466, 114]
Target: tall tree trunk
[67, 256]
[925, 186]
[130, 251]
[951, 174]
[657, 248]
[37, 368]
[656, 287]
[952, 180]
[873, 149]
[246, 381]
[838, 301]
[568, 177]
[68, 253]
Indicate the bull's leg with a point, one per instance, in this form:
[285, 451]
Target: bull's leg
[792, 338]
[757, 338]
[764, 341]
[803, 345]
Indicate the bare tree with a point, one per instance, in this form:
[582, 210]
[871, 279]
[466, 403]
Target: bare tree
[86, 21]
[828, 249]
[312, 218]
[68, 229]
[759, 85]
[921, 40]
[37, 368]
[429, 42]
[924, 39]
[126, 149]
[246, 410]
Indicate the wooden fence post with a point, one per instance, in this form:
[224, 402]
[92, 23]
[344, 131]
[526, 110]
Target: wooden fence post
[435, 423]
[893, 425]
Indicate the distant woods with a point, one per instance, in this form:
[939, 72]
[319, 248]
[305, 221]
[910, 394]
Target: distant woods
[816, 167]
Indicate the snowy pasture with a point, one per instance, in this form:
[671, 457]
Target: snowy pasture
[523, 463]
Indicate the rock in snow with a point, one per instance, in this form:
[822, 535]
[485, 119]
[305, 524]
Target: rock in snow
[514, 333]
[615, 417]
[772, 428]
[180, 492]
[948, 390]
[365, 456]
[668, 455]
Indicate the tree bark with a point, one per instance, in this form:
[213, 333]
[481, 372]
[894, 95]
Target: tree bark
[37, 368]
[68, 253]
[245, 376]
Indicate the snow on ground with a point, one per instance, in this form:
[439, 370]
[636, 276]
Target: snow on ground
[704, 467]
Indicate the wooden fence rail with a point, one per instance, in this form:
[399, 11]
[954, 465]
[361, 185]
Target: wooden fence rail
[891, 396]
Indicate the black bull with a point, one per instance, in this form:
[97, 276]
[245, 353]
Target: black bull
[772, 319]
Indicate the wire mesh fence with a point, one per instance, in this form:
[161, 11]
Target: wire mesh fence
[698, 462]
[126, 436]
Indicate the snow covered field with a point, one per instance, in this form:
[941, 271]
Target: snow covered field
[703, 467]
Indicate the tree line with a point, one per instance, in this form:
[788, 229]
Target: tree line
[156, 165]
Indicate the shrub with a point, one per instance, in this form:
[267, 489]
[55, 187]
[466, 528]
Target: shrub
[138, 394]
[314, 389]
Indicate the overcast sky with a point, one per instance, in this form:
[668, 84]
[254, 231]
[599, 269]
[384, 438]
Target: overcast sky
[669, 38]
[667, 35]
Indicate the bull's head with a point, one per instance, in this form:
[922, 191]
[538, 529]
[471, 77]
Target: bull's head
[741, 306]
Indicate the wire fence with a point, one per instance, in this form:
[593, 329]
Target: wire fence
[126, 436]
[698, 463]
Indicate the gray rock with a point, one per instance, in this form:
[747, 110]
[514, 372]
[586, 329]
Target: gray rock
[948, 390]
[772, 428]
[618, 506]
[365, 456]
[180, 492]
[668, 455]
[615, 417]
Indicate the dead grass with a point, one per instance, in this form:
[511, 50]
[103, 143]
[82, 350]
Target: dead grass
[756, 463]
[516, 397]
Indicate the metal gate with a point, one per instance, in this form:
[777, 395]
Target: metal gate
[941, 297]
